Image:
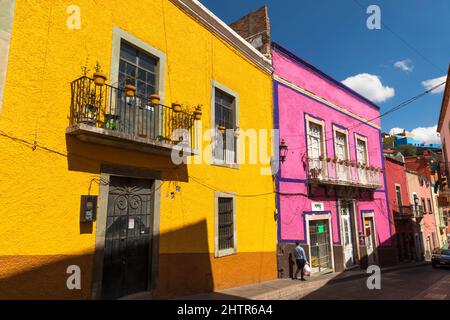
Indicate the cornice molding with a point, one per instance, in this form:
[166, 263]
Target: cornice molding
[205, 17]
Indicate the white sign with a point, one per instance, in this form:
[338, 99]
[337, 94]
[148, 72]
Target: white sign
[131, 224]
[317, 206]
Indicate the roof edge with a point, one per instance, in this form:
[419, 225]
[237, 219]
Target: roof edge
[445, 101]
[322, 74]
[209, 20]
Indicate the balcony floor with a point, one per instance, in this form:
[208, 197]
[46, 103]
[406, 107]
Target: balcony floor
[342, 183]
[92, 134]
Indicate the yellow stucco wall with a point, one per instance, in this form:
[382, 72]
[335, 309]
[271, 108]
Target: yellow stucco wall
[40, 190]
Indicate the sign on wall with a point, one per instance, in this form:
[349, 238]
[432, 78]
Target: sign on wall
[317, 206]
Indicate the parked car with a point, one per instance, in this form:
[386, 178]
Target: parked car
[440, 257]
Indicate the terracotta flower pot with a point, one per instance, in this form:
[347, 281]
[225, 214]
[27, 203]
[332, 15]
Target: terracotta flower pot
[99, 78]
[154, 99]
[176, 107]
[130, 90]
[198, 113]
[221, 129]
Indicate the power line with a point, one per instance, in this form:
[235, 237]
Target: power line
[389, 111]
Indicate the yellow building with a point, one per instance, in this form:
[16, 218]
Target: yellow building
[87, 177]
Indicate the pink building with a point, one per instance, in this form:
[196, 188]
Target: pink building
[425, 236]
[331, 188]
[444, 174]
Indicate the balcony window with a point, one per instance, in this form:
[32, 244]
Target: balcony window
[138, 69]
[341, 155]
[225, 125]
[316, 152]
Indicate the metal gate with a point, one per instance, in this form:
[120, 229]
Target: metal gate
[320, 246]
[126, 267]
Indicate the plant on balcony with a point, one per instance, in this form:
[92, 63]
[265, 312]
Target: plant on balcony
[176, 107]
[328, 159]
[335, 160]
[89, 111]
[99, 77]
[221, 129]
[321, 157]
[111, 121]
[154, 99]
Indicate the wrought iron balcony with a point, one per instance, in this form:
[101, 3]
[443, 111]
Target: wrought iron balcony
[408, 212]
[117, 117]
[342, 173]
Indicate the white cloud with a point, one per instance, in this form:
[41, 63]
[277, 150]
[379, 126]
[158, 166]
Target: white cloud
[422, 134]
[404, 65]
[369, 86]
[426, 134]
[396, 131]
[428, 84]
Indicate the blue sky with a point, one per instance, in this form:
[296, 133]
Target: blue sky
[333, 36]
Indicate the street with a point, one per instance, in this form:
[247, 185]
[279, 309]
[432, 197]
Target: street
[422, 282]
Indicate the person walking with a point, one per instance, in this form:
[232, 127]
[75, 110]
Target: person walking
[300, 257]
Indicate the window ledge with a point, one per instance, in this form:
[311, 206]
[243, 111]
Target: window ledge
[221, 163]
[225, 253]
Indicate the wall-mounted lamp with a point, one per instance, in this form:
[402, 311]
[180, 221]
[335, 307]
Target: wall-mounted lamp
[283, 151]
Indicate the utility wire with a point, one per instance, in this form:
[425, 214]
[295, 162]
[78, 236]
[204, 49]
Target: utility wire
[389, 111]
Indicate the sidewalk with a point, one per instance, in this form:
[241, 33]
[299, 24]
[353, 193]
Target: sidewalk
[280, 289]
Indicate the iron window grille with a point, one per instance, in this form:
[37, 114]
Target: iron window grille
[226, 224]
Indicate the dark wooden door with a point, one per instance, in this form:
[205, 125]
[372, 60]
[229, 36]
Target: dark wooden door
[126, 267]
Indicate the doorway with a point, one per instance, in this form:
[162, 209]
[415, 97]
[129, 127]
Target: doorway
[348, 232]
[128, 237]
[321, 254]
[369, 234]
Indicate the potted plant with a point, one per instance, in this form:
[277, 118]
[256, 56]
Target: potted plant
[335, 160]
[321, 157]
[111, 121]
[154, 99]
[198, 113]
[99, 77]
[328, 159]
[176, 107]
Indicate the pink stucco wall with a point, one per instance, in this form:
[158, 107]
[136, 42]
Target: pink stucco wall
[291, 107]
[424, 191]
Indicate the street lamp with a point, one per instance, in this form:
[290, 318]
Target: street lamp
[283, 151]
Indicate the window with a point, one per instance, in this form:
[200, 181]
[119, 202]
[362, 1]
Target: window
[423, 205]
[341, 145]
[225, 238]
[430, 208]
[225, 123]
[398, 194]
[138, 69]
[315, 142]
[361, 151]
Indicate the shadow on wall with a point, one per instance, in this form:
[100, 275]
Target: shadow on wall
[89, 158]
[45, 277]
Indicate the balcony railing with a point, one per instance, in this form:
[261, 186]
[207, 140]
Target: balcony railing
[408, 212]
[337, 173]
[114, 114]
